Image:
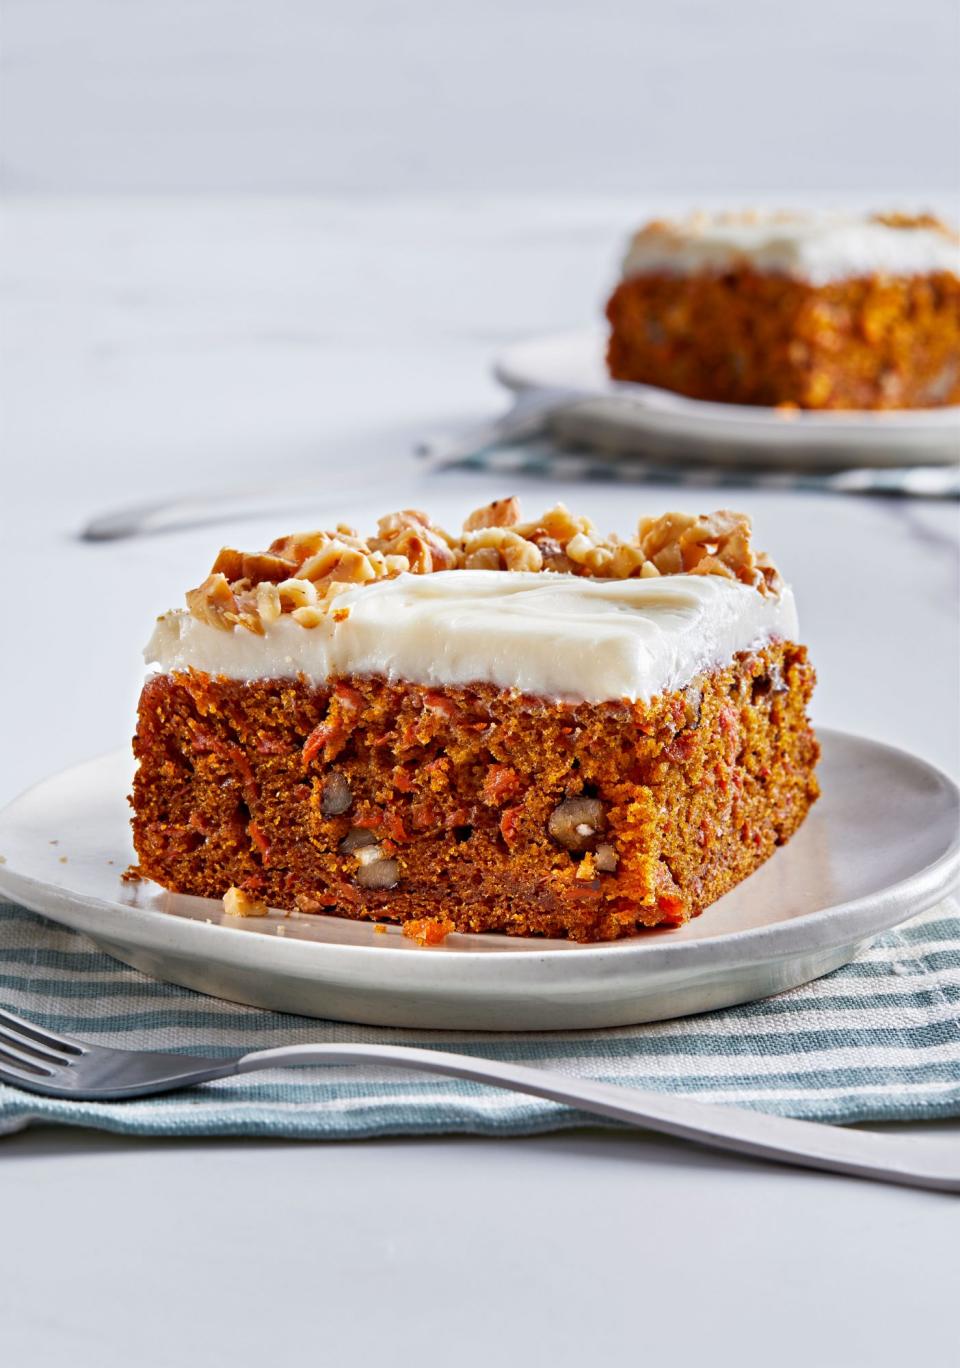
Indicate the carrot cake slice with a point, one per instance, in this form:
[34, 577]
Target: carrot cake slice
[526, 727]
[817, 311]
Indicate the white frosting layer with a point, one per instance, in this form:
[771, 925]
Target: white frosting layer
[817, 248]
[552, 635]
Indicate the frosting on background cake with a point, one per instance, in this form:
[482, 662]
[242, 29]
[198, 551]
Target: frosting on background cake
[817, 248]
[790, 310]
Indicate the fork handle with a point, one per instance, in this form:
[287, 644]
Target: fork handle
[809, 1144]
[530, 415]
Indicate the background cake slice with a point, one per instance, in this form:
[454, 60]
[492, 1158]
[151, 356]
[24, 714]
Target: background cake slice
[525, 728]
[823, 311]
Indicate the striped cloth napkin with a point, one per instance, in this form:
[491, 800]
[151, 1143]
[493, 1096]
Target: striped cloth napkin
[542, 457]
[876, 1040]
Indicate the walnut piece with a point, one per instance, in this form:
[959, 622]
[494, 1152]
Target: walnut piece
[692, 699]
[296, 593]
[712, 544]
[500, 513]
[606, 859]
[213, 602]
[907, 221]
[269, 603]
[336, 797]
[576, 822]
[236, 903]
[410, 533]
[356, 839]
[260, 566]
[376, 869]
[513, 552]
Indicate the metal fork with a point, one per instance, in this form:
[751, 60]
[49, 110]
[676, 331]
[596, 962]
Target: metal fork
[529, 415]
[42, 1061]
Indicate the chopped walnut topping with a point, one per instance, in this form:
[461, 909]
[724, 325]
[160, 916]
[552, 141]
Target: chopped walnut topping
[269, 604]
[236, 903]
[302, 575]
[261, 566]
[482, 558]
[559, 523]
[213, 602]
[296, 593]
[500, 513]
[713, 544]
[895, 220]
[553, 555]
[337, 561]
[410, 533]
[772, 579]
[512, 552]
[308, 617]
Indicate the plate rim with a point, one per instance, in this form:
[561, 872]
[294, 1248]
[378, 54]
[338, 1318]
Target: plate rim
[853, 920]
[654, 400]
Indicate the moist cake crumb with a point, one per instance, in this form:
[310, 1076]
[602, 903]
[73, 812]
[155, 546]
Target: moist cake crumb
[428, 930]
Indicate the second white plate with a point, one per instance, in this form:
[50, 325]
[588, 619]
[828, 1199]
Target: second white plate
[880, 846]
[630, 417]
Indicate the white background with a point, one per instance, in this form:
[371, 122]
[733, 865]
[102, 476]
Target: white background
[271, 244]
[577, 96]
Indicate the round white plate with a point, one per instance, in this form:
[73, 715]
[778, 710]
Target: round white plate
[880, 846]
[641, 418]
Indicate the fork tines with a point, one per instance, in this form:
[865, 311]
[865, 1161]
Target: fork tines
[28, 1051]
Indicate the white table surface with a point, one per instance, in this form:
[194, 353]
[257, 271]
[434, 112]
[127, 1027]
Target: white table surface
[154, 347]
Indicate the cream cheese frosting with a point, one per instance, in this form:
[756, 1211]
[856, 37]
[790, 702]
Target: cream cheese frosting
[553, 635]
[818, 248]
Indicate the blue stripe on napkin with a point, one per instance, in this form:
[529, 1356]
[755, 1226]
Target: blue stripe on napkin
[876, 1040]
[540, 457]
